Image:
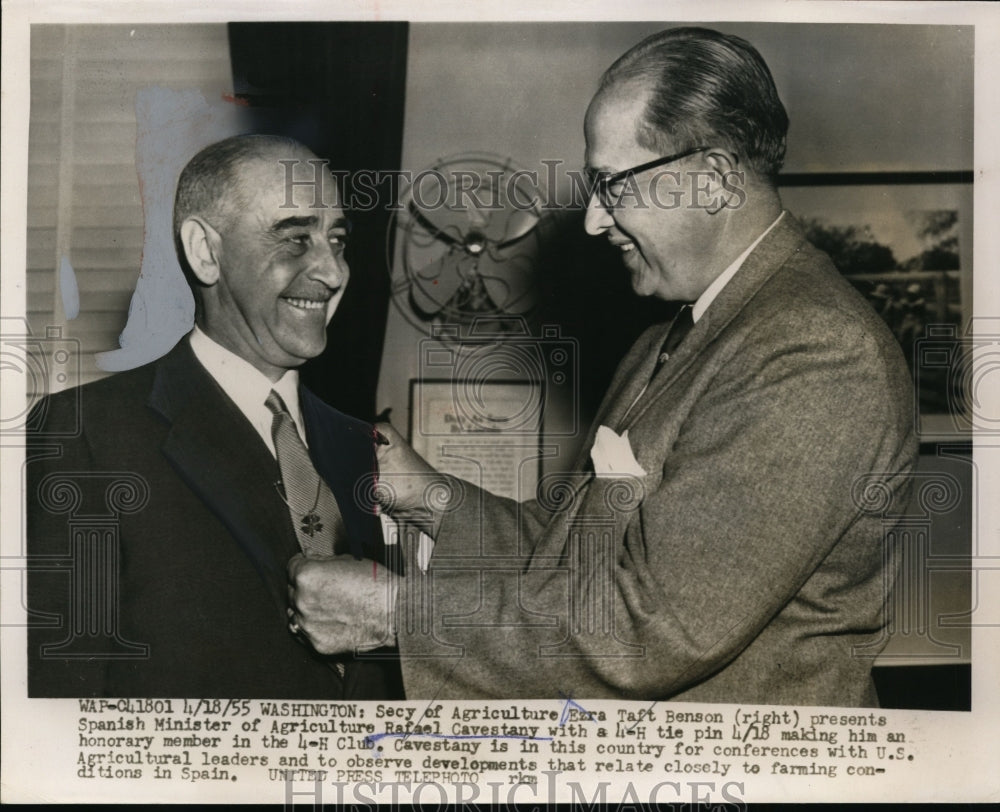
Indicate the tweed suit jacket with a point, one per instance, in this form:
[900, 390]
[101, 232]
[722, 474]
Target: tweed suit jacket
[749, 564]
[198, 552]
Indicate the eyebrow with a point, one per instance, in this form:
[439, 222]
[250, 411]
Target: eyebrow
[308, 221]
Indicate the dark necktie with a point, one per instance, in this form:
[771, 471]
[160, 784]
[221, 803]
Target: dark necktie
[679, 328]
[314, 511]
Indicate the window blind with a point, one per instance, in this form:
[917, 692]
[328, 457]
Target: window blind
[84, 197]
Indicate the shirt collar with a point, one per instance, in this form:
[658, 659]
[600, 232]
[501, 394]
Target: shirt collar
[246, 385]
[713, 290]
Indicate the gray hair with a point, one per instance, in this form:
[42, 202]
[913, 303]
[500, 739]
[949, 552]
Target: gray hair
[210, 185]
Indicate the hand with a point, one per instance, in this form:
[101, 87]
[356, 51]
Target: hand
[341, 604]
[409, 488]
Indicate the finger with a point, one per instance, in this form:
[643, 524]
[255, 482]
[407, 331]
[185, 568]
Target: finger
[295, 564]
[312, 635]
[387, 439]
[387, 431]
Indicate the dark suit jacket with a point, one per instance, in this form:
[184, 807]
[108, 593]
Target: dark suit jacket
[159, 543]
[750, 564]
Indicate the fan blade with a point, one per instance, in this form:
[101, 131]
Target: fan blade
[519, 225]
[510, 282]
[477, 219]
[435, 285]
[434, 229]
[509, 223]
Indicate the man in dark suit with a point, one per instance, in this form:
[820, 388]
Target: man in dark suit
[164, 503]
[725, 537]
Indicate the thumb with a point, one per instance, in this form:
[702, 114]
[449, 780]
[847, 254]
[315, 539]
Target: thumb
[386, 435]
[295, 564]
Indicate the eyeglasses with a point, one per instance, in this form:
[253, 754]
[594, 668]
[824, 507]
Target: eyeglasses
[601, 182]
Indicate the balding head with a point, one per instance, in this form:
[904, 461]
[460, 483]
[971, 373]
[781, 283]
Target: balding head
[703, 87]
[212, 185]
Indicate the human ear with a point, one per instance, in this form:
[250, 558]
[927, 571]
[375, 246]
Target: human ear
[201, 248]
[728, 180]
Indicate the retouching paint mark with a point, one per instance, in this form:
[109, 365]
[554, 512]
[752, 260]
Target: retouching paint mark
[68, 289]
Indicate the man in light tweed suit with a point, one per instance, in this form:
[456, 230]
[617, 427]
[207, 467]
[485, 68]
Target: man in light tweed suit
[729, 549]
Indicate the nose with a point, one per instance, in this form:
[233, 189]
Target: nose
[597, 220]
[329, 266]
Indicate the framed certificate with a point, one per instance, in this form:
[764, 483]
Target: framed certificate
[486, 432]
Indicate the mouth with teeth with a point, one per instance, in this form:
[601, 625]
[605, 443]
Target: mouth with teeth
[301, 303]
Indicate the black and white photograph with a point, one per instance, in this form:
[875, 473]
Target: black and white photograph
[503, 405]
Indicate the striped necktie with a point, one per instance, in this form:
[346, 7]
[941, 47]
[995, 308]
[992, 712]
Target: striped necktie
[679, 328]
[314, 511]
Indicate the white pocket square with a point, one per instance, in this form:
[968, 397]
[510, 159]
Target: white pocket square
[612, 454]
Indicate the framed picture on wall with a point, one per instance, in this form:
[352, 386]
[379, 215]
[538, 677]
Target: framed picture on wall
[488, 433]
[904, 240]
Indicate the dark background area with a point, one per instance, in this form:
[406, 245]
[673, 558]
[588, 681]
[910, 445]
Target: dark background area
[338, 88]
[924, 687]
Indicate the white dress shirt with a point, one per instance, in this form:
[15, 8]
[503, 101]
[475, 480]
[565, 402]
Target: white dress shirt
[247, 386]
[713, 290]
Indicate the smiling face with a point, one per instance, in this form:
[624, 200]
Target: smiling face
[281, 269]
[667, 242]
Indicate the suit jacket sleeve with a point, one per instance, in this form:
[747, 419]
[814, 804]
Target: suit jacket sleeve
[746, 496]
[55, 461]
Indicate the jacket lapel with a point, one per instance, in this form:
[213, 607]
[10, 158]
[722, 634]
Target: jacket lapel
[762, 263]
[631, 391]
[222, 459]
[631, 378]
[343, 450]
